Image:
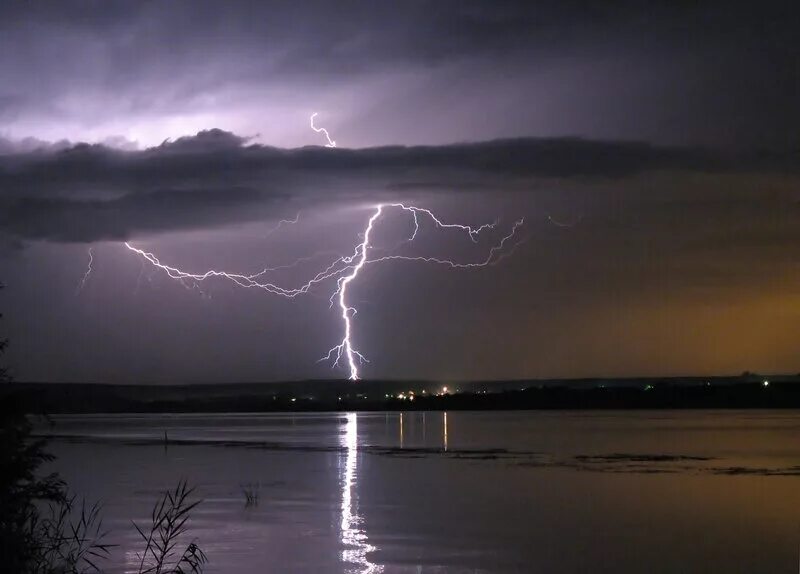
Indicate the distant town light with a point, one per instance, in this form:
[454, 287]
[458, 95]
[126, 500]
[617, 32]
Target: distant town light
[766, 383]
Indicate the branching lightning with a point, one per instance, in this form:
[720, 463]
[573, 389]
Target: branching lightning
[85, 278]
[346, 269]
[330, 143]
[472, 231]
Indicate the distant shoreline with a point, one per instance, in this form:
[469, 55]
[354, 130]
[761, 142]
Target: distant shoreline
[745, 392]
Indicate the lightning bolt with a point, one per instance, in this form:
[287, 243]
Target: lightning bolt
[348, 312]
[281, 223]
[330, 143]
[347, 269]
[558, 223]
[472, 231]
[247, 281]
[85, 278]
[491, 259]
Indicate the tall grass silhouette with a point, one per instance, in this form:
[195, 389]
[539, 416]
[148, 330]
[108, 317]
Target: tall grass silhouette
[168, 525]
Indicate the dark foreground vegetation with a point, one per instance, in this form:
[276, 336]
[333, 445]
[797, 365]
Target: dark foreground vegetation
[44, 529]
[742, 392]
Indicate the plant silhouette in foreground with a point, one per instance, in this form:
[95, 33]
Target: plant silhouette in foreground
[168, 525]
[66, 544]
[42, 529]
[31, 541]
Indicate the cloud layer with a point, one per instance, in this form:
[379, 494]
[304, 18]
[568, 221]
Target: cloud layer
[660, 234]
[86, 193]
[413, 72]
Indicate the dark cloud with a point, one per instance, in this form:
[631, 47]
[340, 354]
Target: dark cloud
[411, 72]
[88, 193]
[357, 34]
[56, 219]
[662, 134]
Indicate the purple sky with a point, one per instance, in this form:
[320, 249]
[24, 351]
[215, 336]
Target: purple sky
[666, 138]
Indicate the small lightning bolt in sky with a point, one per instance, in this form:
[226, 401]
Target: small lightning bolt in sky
[281, 223]
[330, 143]
[85, 278]
[558, 223]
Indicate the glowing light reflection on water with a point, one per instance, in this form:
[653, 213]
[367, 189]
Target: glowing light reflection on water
[356, 547]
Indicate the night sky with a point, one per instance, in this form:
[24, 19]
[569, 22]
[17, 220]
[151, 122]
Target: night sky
[654, 153]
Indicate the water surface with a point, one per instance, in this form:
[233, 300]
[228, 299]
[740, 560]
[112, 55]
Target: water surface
[566, 492]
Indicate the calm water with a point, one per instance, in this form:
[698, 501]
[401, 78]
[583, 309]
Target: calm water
[562, 492]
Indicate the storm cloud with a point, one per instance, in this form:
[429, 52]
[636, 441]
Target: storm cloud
[651, 148]
[87, 193]
[417, 72]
